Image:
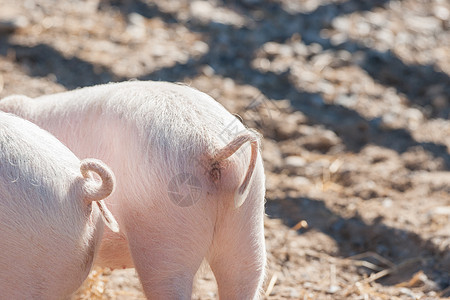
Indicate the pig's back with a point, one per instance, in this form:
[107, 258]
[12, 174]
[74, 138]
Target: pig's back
[32, 161]
[172, 126]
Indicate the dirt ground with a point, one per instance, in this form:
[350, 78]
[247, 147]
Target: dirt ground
[352, 98]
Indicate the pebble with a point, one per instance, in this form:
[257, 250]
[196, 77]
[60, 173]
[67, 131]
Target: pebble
[294, 162]
[10, 25]
[201, 9]
[346, 100]
[441, 12]
[387, 202]
[301, 181]
[333, 289]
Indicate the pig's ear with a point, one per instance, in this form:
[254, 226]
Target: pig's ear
[253, 138]
[97, 191]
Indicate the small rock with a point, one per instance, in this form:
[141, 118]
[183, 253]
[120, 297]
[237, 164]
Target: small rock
[294, 162]
[271, 48]
[422, 24]
[285, 131]
[136, 19]
[390, 121]
[212, 295]
[286, 51]
[300, 180]
[441, 12]
[342, 24]
[323, 142]
[387, 202]
[441, 210]
[333, 289]
[314, 48]
[346, 100]
[414, 117]
[11, 25]
[201, 10]
[300, 49]
[208, 71]
[363, 28]
[200, 47]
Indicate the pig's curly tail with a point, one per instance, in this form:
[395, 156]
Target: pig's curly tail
[95, 191]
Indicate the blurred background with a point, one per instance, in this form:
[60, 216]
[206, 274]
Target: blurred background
[352, 98]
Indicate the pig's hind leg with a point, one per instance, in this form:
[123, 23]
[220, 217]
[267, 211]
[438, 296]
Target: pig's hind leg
[168, 244]
[237, 256]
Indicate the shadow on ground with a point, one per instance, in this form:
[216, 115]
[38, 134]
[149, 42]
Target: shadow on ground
[354, 236]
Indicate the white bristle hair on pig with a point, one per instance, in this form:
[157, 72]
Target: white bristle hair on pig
[51, 210]
[190, 181]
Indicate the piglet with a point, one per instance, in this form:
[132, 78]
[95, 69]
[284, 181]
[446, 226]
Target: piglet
[190, 181]
[49, 229]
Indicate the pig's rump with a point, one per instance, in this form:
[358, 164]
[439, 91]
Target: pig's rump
[46, 247]
[49, 229]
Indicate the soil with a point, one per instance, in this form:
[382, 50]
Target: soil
[352, 98]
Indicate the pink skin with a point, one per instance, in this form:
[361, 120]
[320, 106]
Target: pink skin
[149, 132]
[49, 229]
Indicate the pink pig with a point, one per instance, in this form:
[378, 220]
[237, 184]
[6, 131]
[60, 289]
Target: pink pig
[49, 229]
[188, 187]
